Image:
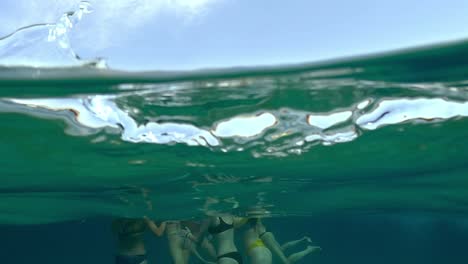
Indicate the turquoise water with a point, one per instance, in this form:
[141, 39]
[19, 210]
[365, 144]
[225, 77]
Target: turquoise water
[381, 133]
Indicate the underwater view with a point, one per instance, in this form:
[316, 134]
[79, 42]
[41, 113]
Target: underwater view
[354, 160]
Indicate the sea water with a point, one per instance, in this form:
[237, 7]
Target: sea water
[366, 155]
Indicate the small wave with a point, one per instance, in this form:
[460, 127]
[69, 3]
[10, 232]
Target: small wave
[273, 132]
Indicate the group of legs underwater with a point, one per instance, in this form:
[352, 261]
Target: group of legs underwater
[210, 240]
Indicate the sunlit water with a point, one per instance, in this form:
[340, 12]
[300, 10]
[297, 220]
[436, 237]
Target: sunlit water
[384, 134]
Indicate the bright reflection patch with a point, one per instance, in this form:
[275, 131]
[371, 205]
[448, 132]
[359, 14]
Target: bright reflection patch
[101, 112]
[397, 111]
[326, 121]
[245, 126]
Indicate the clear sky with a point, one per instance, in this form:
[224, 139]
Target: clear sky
[190, 34]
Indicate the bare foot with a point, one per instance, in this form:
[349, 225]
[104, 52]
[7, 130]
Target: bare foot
[314, 248]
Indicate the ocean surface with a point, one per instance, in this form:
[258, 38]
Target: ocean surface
[367, 155]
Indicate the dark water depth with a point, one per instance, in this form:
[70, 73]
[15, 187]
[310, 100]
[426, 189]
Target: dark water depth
[344, 239]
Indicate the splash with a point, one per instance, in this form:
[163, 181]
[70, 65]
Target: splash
[46, 45]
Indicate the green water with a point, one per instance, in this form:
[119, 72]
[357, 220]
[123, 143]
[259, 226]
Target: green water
[60, 162]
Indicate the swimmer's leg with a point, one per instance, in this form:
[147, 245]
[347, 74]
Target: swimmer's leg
[270, 242]
[175, 249]
[295, 242]
[299, 255]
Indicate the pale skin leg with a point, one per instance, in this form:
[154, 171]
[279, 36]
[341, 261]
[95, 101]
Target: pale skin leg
[269, 239]
[191, 248]
[175, 250]
[299, 255]
[293, 243]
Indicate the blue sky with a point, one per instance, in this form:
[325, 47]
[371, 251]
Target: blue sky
[191, 34]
